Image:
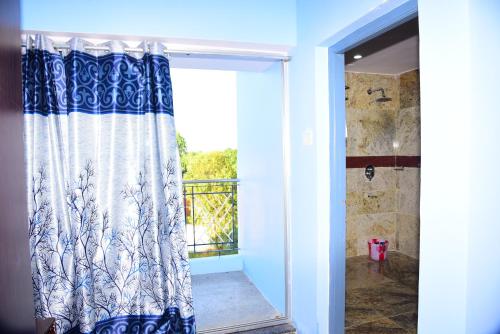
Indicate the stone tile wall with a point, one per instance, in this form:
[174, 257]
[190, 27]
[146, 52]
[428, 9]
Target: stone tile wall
[387, 206]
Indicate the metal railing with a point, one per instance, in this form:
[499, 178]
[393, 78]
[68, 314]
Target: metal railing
[211, 212]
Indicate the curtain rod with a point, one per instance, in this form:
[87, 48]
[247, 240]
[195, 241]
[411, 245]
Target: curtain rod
[252, 55]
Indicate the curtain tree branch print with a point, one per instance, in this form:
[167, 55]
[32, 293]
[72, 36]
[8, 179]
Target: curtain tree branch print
[106, 219]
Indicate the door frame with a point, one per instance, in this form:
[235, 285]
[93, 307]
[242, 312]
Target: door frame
[381, 19]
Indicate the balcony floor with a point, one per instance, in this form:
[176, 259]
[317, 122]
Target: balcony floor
[227, 299]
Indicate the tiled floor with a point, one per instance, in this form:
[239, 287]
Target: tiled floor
[228, 299]
[282, 329]
[381, 297]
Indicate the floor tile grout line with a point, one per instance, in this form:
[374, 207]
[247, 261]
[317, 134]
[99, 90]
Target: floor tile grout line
[402, 314]
[388, 316]
[367, 322]
[375, 320]
[380, 318]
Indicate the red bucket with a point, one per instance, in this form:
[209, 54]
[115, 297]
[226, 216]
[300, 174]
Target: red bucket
[377, 248]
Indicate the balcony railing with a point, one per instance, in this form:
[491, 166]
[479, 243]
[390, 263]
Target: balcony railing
[211, 213]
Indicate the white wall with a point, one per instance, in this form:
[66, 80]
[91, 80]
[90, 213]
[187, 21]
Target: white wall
[460, 223]
[445, 189]
[309, 102]
[257, 21]
[483, 279]
[216, 264]
[260, 170]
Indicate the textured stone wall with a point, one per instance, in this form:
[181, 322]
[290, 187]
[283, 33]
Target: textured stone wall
[387, 206]
[408, 180]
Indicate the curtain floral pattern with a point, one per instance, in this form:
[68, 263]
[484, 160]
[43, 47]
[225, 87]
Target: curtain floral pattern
[107, 240]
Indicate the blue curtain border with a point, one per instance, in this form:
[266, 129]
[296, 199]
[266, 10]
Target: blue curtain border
[169, 322]
[56, 94]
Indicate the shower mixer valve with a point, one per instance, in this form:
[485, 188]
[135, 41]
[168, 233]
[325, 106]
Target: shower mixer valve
[370, 172]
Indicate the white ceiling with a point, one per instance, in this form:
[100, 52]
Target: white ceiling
[395, 59]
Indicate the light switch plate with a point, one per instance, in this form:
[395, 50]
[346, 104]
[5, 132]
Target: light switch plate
[307, 137]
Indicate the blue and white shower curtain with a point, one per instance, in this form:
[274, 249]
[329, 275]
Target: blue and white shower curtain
[108, 250]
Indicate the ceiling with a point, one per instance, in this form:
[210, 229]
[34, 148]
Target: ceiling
[392, 52]
[398, 58]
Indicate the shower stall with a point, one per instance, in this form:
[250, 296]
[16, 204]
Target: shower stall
[383, 181]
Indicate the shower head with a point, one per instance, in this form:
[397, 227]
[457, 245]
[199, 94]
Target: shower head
[383, 98]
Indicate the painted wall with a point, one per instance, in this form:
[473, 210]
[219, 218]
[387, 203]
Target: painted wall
[444, 207]
[458, 285]
[309, 110]
[260, 193]
[483, 286]
[223, 20]
[216, 264]
[388, 205]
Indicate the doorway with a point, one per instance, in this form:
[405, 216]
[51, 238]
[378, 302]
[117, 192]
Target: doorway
[382, 106]
[344, 241]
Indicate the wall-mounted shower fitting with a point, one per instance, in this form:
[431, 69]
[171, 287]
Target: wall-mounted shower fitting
[370, 172]
[383, 98]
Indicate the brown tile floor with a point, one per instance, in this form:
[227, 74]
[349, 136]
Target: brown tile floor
[281, 329]
[381, 297]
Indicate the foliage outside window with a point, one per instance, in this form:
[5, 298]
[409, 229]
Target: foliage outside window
[215, 204]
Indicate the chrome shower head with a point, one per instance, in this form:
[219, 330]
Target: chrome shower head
[383, 98]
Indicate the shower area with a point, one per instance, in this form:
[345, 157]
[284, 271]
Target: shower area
[383, 187]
